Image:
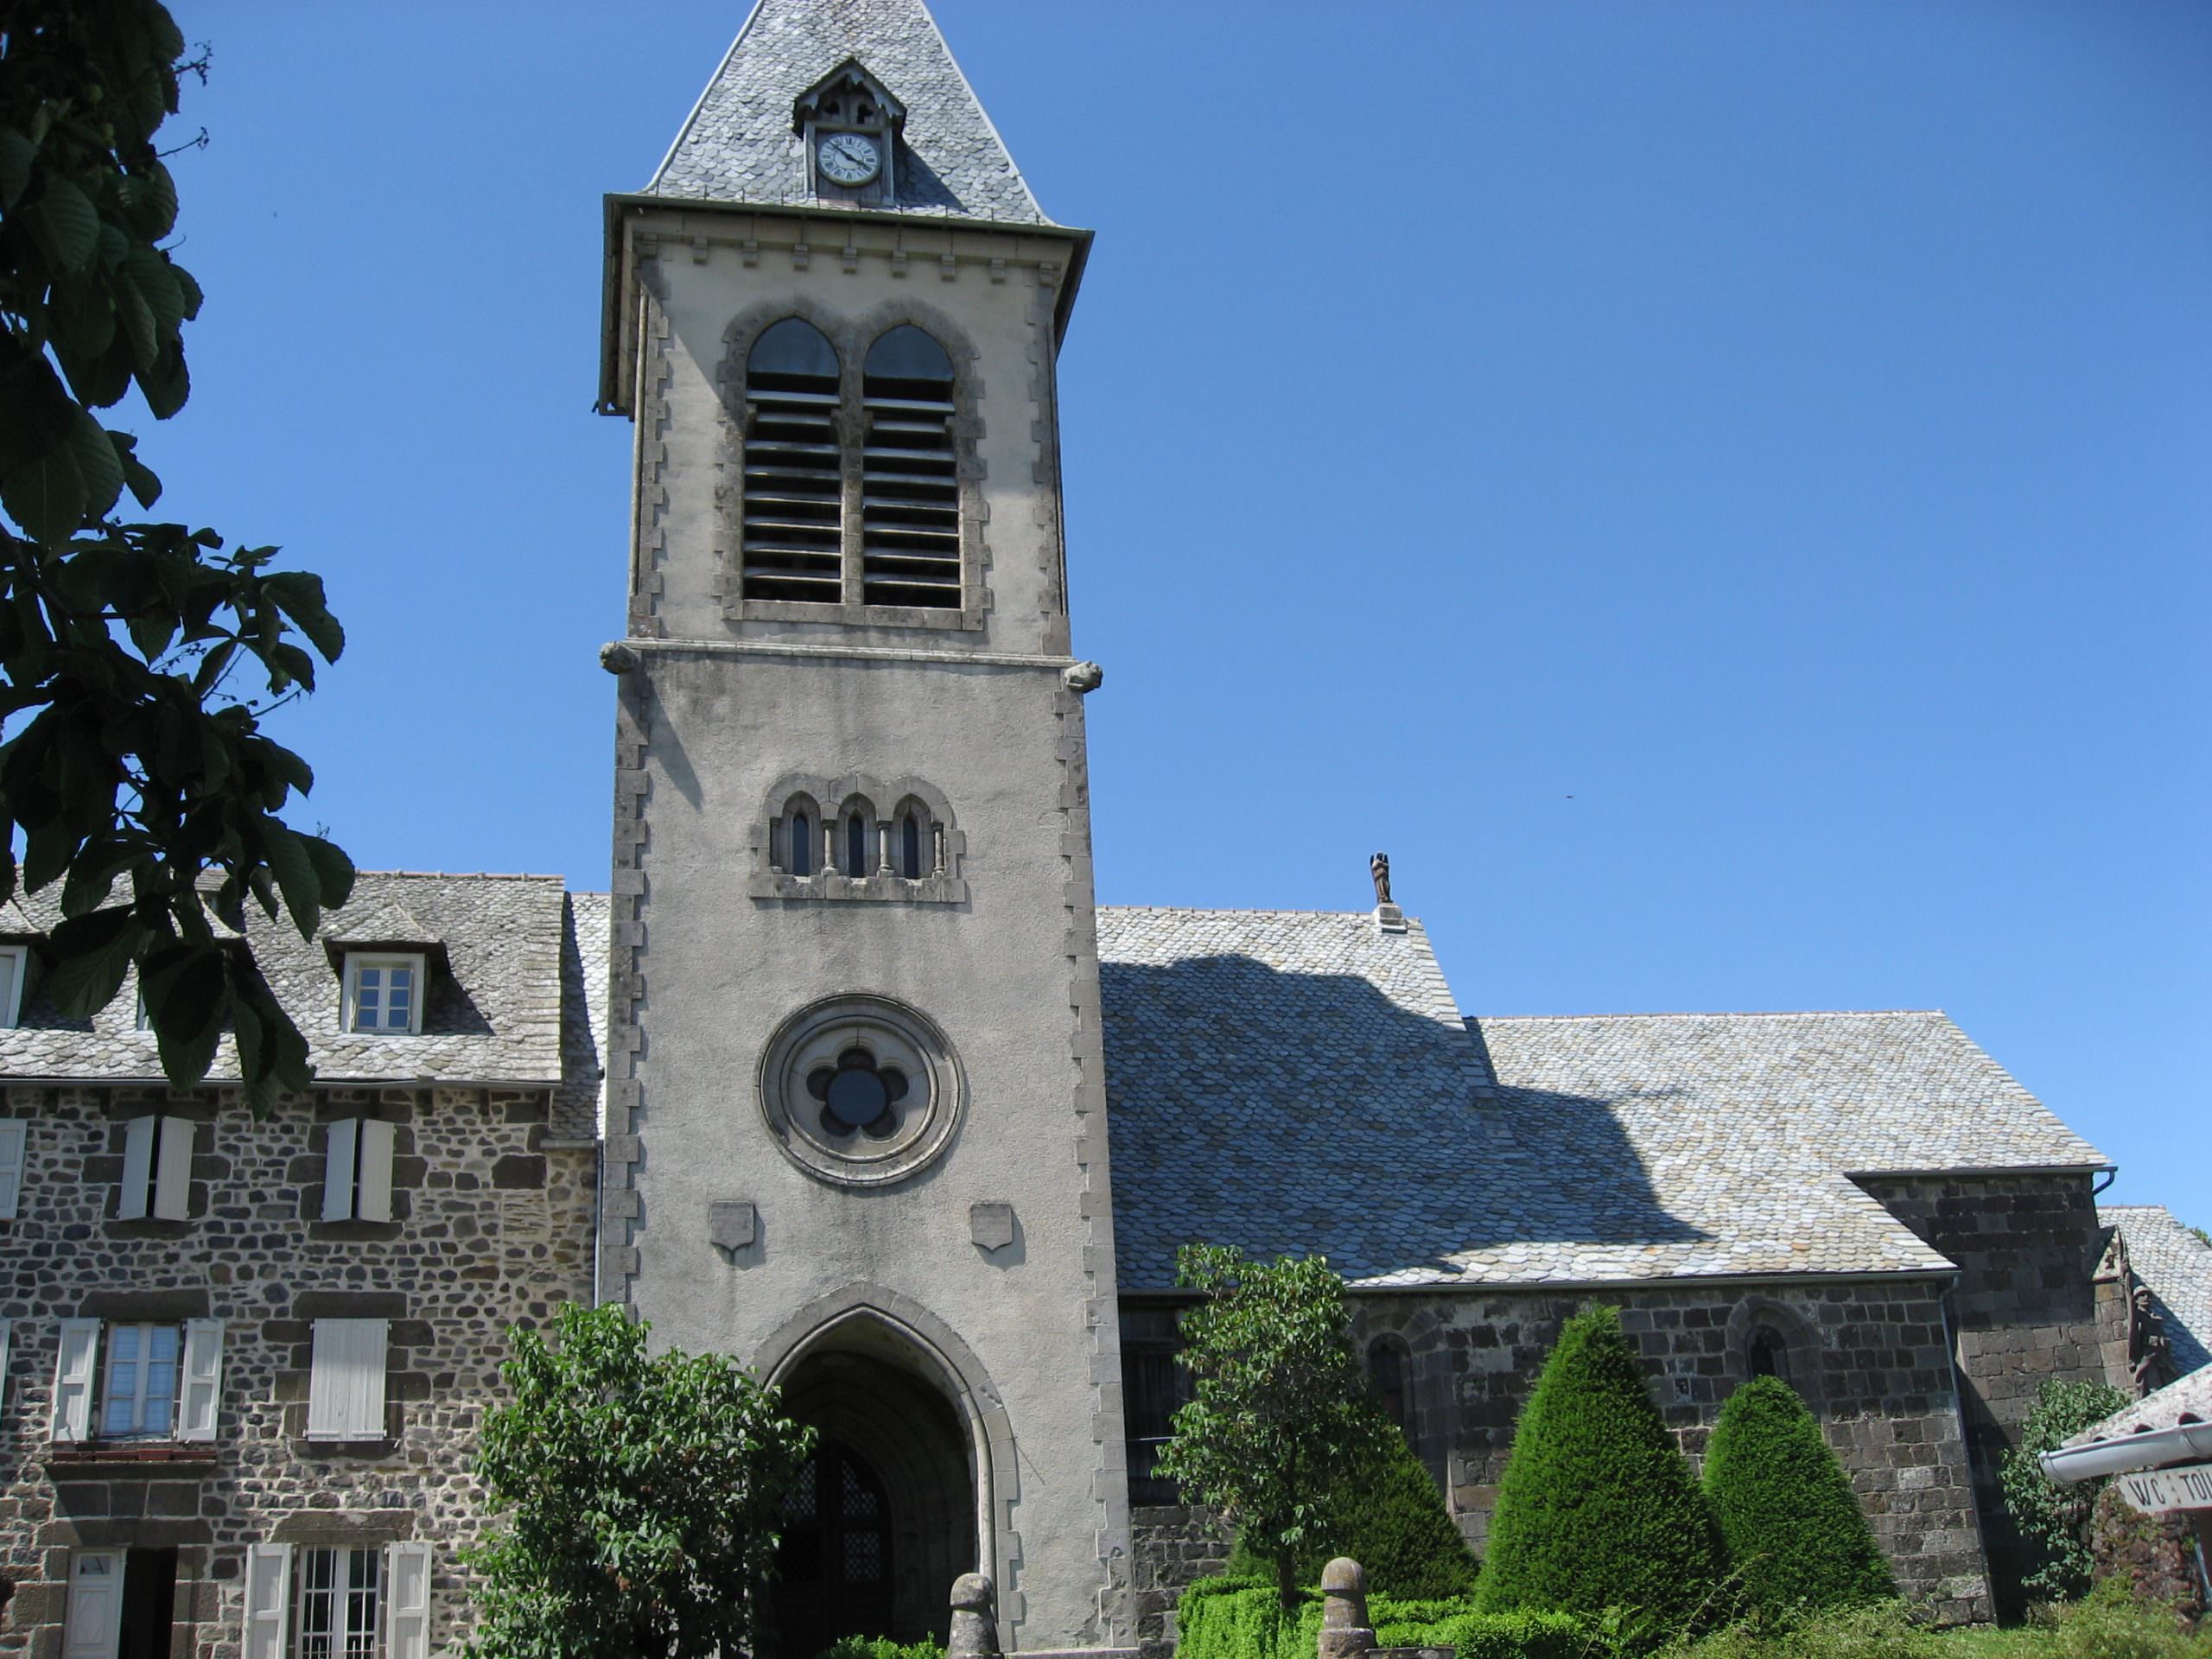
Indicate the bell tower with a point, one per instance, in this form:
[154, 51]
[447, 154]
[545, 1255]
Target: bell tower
[855, 1116]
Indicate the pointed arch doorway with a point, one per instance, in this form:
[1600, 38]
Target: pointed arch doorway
[884, 1518]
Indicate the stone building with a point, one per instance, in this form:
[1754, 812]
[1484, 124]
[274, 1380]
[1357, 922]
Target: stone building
[244, 1361]
[875, 1057]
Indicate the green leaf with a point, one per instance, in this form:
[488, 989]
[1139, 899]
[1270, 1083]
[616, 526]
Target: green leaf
[188, 992]
[140, 478]
[47, 496]
[331, 868]
[93, 953]
[64, 223]
[17, 156]
[296, 878]
[299, 595]
[97, 464]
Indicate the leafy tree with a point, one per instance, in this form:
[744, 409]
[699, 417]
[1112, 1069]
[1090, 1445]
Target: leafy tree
[644, 1492]
[2054, 1519]
[1598, 1509]
[129, 757]
[1281, 1413]
[1388, 1516]
[1786, 1508]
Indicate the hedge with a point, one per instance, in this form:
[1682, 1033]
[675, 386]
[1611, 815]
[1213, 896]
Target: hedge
[882, 1646]
[1389, 1518]
[1786, 1508]
[1240, 1619]
[1597, 1509]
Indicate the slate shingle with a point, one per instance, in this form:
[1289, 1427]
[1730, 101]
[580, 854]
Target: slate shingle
[497, 1018]
[2177, 1266]
[1291, 1082]
[738, 144]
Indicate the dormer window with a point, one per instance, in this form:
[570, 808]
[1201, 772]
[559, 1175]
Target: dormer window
[383, 994]
[848, 122]
[14, 966]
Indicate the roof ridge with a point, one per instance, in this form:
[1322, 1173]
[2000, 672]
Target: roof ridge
[466, 875]
[1733, 1013]
[1221, 910]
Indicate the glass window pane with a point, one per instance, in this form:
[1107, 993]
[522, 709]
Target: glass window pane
[792, 347]
[802, 859]
[908, 353]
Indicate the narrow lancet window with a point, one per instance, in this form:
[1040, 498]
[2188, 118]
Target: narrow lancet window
[794, 476]
[909, 838]
[802, 844]
[856, 846]
[909, 491]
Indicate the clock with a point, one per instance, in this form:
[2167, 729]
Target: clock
[849, 158]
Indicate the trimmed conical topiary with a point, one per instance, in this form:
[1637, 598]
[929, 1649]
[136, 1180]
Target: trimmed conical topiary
[1389, 1518]
[1786, 1507]
[1598, 1508]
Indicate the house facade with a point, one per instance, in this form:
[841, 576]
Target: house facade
[849, 1075]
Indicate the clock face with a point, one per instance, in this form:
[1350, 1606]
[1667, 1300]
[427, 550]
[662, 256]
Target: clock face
[849, 158]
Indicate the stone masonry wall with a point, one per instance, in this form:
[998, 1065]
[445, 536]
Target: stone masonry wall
[492, 1228]
[1871, 1359]
[2025, 1307]
[1174, 1547]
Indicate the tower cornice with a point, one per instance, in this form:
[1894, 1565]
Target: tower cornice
[624, 213]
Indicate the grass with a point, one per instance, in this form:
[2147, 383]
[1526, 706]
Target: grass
[2107, 1625]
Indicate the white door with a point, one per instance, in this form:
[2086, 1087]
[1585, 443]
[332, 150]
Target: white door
[95, 1618]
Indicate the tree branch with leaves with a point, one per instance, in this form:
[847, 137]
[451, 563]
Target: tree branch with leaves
[138, 660]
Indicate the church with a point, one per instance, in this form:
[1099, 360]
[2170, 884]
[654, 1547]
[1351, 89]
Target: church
[848, 1075]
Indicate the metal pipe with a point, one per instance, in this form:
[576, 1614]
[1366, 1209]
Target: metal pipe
[2128, 1453]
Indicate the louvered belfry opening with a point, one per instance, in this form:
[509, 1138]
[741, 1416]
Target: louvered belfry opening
[794, 483]
[910, 488]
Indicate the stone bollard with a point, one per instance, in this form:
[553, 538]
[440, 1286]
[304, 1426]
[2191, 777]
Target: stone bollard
[974, 1618]
[1345, 1633]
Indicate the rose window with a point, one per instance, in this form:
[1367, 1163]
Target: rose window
[858, 1094]
[860, 1090]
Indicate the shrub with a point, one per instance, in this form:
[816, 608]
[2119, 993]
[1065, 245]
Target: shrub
[882, 1646]
[1389, 1517]
[1597, 1509]
[1878, 1631]
[1243, 1618]
[2054, 1520]
[1786, 1508]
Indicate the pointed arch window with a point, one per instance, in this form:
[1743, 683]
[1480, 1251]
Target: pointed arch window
[855, 843]
[910, 488]
[910, 846]
[794, 471]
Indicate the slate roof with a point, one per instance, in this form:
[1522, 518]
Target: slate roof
[1291, 1081]
[2188, 1401]
[738, 144]
[578, 1107]
[2177, 1267]
[503, 1015]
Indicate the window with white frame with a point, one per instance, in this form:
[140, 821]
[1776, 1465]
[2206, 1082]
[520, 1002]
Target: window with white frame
[357, 1178]
[156, 1169]
[138, 1380]
[338, 1601]
[15, 965]
[14, 1136]
[383, 993]
[345, 1387]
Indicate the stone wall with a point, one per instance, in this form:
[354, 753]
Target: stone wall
[1871, 1359]
[1174, 1547]
[2025, 1309]
[492, 1229]
[2155, 1553]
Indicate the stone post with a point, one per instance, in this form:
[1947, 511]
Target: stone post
[974, 1618]
[1345, 1633]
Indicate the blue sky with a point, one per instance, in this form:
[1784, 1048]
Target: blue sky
[1720, 491]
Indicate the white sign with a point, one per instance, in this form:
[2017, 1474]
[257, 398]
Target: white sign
[2154, 1491]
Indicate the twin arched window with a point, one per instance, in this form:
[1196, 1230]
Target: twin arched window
[845, 505]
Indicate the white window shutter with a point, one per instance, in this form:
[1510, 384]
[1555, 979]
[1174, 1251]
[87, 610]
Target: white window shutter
[172, 1180]
[346, 1387]
[268, 1598]
[407, 1574]
[338, 1171]
[12, 1131]
[94, 1624]
[138, 1168]
[201, 1394]
[373, 1201]
[73, 1379]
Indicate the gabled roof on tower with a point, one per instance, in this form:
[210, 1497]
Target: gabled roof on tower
[738, 144]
